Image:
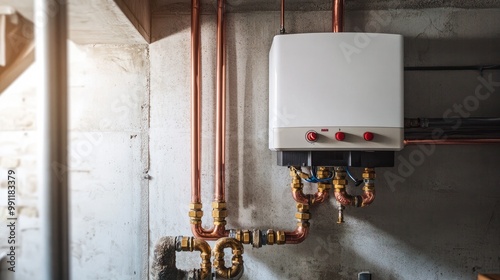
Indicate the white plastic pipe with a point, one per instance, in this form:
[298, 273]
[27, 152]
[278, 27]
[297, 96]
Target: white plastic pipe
[51, 58]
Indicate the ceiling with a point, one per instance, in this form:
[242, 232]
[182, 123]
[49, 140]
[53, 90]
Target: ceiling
[176, 6]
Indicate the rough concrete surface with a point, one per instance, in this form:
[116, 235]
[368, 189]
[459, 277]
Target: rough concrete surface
[183, 6]
[440, 220]
[437, 212]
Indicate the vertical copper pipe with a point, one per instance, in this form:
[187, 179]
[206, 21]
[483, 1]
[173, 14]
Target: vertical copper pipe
[220, 136]
[282, 17]
[338, 16]
[195, 103]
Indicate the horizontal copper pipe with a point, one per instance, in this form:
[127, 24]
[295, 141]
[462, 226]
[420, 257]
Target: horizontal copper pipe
[452, 141]
[297, 236]
[338, 16]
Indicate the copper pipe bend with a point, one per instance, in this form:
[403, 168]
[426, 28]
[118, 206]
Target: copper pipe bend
[346, 199]
[213, 233]
[297, 236]
[237, 260]
[311, 199]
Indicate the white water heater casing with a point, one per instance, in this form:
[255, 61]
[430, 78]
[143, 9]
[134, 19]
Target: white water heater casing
[336, 91]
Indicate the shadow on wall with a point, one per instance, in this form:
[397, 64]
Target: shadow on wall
[441, 222]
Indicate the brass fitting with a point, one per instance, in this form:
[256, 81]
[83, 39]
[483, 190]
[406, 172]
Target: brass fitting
[271, 237]
[195, 213]
[238, 235]
[246, 237]
[322, 172]
[303, 224]
[191, 244]
[340, 218]
[280, 237]
[301, 207]
[219, 212]
[237, 259]
[339, 180]
[302, 216]
[369, 174]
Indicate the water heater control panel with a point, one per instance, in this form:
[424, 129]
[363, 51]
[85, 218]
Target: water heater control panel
[336, 91]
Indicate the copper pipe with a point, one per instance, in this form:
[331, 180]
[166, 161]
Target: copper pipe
[346, 199]
[312, 199]
[452, 141]
[282, 17]
[218, 230]
[195, 103]
[213, 233]
[369, 188]
[297, 236]
[220, 136]
[298, 192]
[300, 197]
[338, 16]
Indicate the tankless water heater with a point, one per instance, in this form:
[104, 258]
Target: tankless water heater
[336, 92]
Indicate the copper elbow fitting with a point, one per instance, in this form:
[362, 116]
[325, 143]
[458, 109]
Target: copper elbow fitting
[237, 259]
[297, 236]
[341, 195]
[323, 188]
[191, 244]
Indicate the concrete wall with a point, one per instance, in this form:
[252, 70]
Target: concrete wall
[108, 88]
[438, 220]
[436, 217]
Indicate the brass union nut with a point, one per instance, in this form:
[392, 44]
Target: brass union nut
[339, 182]
[322, 174]
[280, 237]
[195, 206]
[218, 205]
[219, 213]
[185, 244]
[270, 237]
[246, 237]
[322, 187]
[302, 216]
[368, 174]
[195, 214]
